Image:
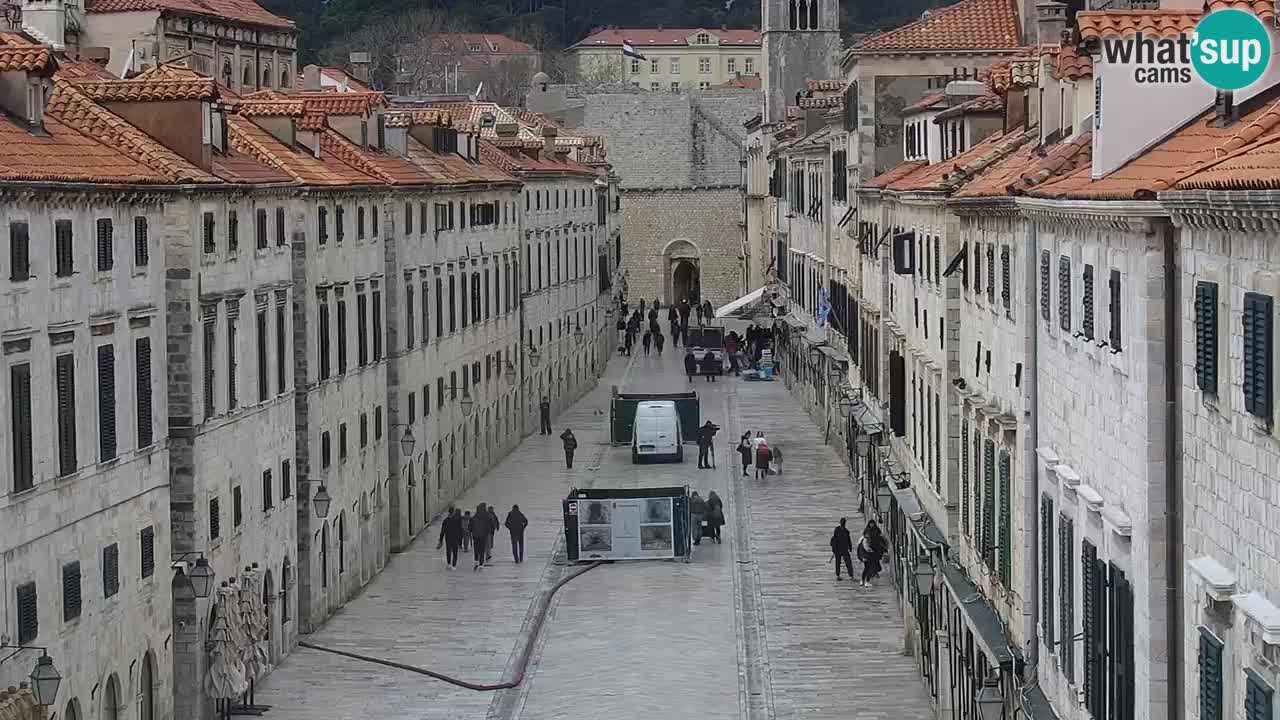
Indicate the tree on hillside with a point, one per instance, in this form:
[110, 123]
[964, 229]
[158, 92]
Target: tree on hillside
[404, 50]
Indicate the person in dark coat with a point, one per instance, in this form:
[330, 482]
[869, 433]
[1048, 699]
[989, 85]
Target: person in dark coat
[646, 341]
[710, 366]
[570, 444]
[698, 513]
[706, 436]
[495, 526]
[515, 524]
[466, 531]
[697, 309]
[871, 550]
[544, 412]
[480, 534]
[842, 546]
[622, 331]
[657, 304]
[715, 514]
[659, 341]
[744, 451]
[452, 532]
[690, 365]
[673, 321]
[627, 343]
[447, 514]
[653, 314]
[685, 309]
[708, 312]
[642, 306]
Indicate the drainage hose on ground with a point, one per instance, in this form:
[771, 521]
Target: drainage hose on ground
[524, 656]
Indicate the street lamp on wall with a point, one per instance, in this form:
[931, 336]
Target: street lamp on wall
[201, 576]
[534, 356]
[321, 502]
[467, 403]
[990, 701]
[924, 573]
[45, 678]
[577, 332]
[510, 373]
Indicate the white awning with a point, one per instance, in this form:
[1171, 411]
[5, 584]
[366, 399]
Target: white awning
[741, 307]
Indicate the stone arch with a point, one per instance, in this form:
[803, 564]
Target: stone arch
[111, 699]
[73, 710]
[681, 270]
[792, 18]
[147, 687]
[804, 14]
[813, 14]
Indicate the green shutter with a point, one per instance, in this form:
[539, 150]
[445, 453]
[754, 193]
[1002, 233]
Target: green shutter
[1120, 656]
[1257, 383]
[1258, 697]
[1006, 521]
[1210, 662]
[1206, 324]
[1066, 584]
[989, 504]
[1094, 628]
[964, 479]
[1046, 569]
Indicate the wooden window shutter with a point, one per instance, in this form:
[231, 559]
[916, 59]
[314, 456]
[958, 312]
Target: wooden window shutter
[71, 591]
[141, 238]
[106, 402]
[207, 226]
[1258, 698]
[339, 223]
[1206, 325]
[897, 394]
[377, 326]
[1006, 520]
[1096, 659]
[20, 426]
[1258, 385]
[237, 506]
[991, 273]
[65, 377]
[283, 362]
[210, 357]
[148, 543]
[362, 328]
[324, 338]
[1086, 301]
[264, 389]
[1209, 659]
[1046, 570]
[110, 570]
[215, 518]
[1091, 619]
[64, 248]
[106, 245]
[1064, 293]
[267, 491]
[1006, 276]
[989, 504]
[1120, 647]
[1115, 311]
[28, 613]
[964, 479]
[286, 483]
[1067, 595]
[425, 318]
[342, 335]
[19, 252]
[260, 227]
[280, 228]
[1044, 285]
[408, 315]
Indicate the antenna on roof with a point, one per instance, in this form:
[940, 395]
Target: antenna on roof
[476, 95]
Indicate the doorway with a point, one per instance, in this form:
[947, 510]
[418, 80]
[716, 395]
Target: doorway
[685, 282]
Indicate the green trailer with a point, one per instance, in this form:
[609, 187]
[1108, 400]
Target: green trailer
[622, 414]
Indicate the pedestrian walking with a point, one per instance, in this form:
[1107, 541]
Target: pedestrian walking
[480, 534]
[659, 341]
[763, 455]
[544, 412]
[706, 435]
[466, 531]
[515, 524]
[657, 304]
[647, 340]
[570, 444]
[711, 367]
[452, 531]
[698, 511]
[496, 527]
[708, 312]
[841, 547]
[447, 514]
[627, 342]
[684, 310]
[715, 515]
[622, 333]
[642, 306]
[777, 460]
[690, 364]
[871, 549]
[653, 314]
[745, 451]
[697, 309]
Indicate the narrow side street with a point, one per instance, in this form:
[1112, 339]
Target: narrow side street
[630, 640]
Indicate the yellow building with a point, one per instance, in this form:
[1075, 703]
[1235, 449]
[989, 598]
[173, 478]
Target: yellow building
[674, 59]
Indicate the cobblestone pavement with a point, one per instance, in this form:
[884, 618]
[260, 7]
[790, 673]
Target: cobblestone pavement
[629, 640]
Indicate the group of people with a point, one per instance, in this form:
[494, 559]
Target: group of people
[871, 550]
[709, 365]
[758, 453]
[463, 530]
[641, 324]
[707, 516]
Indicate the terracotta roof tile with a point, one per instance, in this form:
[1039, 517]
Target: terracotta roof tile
[931, 101]
[143, 90]
[384, 166]
[1264, 9]
[966, 25]
[1095, 24]
[981, 104]
[348, 103]
[821, 102]
[17, 54]
[949, 175]
[1257, 167]
[1186, 151]
[244, 167]
[75, 109]
[490, 43]
[271, 108]
[1031, 165]
[640, 37]
[299, 163]
[1072, 64]
[895, 173]
[749, 82]
[63, 154]
[83, 70]
[245, 11]
[405, 118]
[453, 169]
[521, 161]
[824, 85]
[169, 71]
[313, 121]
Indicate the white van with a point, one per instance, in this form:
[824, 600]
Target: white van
[656, 434]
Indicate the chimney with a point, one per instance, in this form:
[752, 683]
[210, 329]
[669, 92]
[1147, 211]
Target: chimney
[46, 21]
[962, 91]
[1051, 21]
[360, 66]
[1225, 110]
[311, 78]
[506, 130]
[549, 135]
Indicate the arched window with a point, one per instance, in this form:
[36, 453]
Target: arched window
[813, 14]
[324, 555]
[111, 700]
[226, 72]
[246, 77]
[73, 710]
[342, 542]
[266, 75]
[793, 19]
[286, 81]
[804, 14]
[146, 689]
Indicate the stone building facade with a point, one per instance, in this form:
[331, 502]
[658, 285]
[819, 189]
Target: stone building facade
[800, 42]
[672, 59]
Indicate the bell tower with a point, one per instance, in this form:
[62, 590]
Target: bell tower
[801, 41]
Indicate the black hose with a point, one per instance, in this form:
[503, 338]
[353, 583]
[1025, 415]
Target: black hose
[524, 656]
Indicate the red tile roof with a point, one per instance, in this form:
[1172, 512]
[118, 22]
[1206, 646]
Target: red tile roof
[640, 37]
[406, 118]
[143, 90]
[813, 103]
[1196, 145]
[1256, 167]
[347, 103]
[749, 82]
[384, 166]
[1072, 64]
[515, 160]
[244, 11]
[1264, 9]
[452, 169]
[932, 101]
[63, 154]
[966, 25]
[83, 70]
[824, 85]
[1095, 24]
[490, 43]
[17, 54]
[271, 107]
[949, 175]
[298, 163]
[1031, 165]
[981, 104]
[895, 173]
[1022, 71]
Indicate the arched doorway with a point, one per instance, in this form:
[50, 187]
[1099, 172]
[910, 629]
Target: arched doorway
[147, 689]
[111, 699]
[683, 276]
[73, 710]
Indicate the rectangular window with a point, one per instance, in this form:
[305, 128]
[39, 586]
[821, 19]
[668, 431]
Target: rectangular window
[1206, 324]
[233, 231]
[377, 423]
[63, 248]
[1209, 658]
[1046, 571]
[206, 226]
[106, 245]
[71, 602]
[147, 555]
[988, 541]
[364, 430]
[1086, 302]
[65, 377]
[28, 613]
[439, 308]
[339, 223]
[1259, 698]
[1006, 278]
[141, 250]
[280, 229]
[233, 312]
[237, 507]
[215, 518]
[426, 314]
[1257, 384]
[408, 316]
[1067, 597]
[322, 225]
[260, 227]
[362, 328]
[267, 491]
[20, 424]
[286, 479]
[408, 219]
[264, 382]
[1093, 577]
[439, 392]
[324, 338]
[1064, 293]
[360, 222]
[342, 335]
[281, 346]
[377, 325]
[210, 346]
[106, 403]
[110, 570]
[413, 402]
[453, 309]
[1120, 679]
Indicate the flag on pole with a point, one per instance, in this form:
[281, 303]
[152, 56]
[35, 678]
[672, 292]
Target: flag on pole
[631, 52]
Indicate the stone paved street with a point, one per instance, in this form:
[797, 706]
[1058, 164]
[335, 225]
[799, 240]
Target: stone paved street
[630, 640]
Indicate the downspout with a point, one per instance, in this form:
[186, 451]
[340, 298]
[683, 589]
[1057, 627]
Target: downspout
[1031, 465]
[1173, 468]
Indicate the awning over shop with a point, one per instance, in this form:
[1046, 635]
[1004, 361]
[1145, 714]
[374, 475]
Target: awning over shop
[834, 353]
[987, 629]
[747, 306]
[867, 418]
